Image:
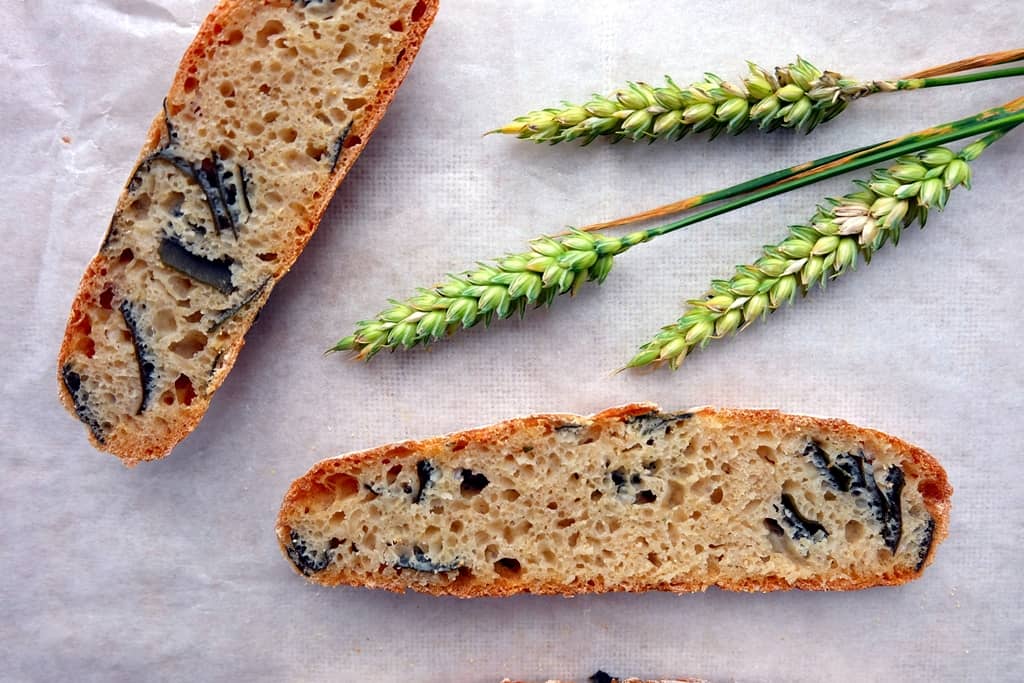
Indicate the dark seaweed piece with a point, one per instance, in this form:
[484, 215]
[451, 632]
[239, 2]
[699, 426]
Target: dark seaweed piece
[173, 159]
[209, 180]
[619, 479]
[221, 219]
[798, 525]
[836, 477]
[925, 545]
[602, 677]
[651, 423]
[892, 525]
[889, 520]
[568, 427]
[853, 473]
[216, 364]
[228, 313]
[143, 354]
[80, 398]
[472, 482]
[216, 273]
[421, 562]
[308, 560]
[425, 471]
[232, 184]
[307, 3]
[850, 468]
[339, 146]
[245, 179]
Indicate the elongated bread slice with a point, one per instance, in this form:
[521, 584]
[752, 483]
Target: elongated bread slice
[631, 499]
[271, 105]
[602, 677]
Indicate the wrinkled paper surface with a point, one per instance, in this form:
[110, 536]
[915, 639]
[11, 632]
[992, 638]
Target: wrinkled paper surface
[171, 571]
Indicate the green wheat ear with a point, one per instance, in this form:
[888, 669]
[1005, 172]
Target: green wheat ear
[856, 225]
[843, 230]
[499, 289]
[798, 96]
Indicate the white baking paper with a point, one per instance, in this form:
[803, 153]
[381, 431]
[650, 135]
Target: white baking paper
[171, 571]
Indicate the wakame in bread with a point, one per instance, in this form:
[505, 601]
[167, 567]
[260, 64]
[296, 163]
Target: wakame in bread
[271, 105]
[631, 499]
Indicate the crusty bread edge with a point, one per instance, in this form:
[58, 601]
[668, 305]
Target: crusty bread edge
[134, 448]
[936, 500]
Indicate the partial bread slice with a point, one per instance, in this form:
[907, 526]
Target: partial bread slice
[271, 105]
[602, 677]
[631, 499]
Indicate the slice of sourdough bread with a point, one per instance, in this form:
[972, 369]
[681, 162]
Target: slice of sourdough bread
[631, 499]
[602, 677]
[271, 105]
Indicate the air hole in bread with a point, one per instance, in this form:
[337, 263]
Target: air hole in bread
[107, 298]
[354, 103]
[190, 344]
[183, 390]
[86, 346]
[347, 51]
[164, 322]
[271, 28]
[508, 568]
[315, 151]
[343, 485]
[419, 10]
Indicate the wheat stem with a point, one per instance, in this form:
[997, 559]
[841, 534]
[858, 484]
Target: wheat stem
[970, 63]
[812, 168]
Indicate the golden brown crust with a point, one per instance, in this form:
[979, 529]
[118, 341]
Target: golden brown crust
[936, 497]
[133, 447]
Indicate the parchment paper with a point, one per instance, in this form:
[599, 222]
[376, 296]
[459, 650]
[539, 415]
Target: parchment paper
[171, 571]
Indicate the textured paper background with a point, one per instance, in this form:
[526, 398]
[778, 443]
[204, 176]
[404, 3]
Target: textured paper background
[170, 571]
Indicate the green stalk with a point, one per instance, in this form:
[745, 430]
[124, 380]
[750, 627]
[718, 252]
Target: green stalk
[909, 147]
[960, 79]
[553, 267]
[811, 169]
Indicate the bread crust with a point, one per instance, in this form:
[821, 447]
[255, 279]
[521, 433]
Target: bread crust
[936, 498]
[135, 447]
